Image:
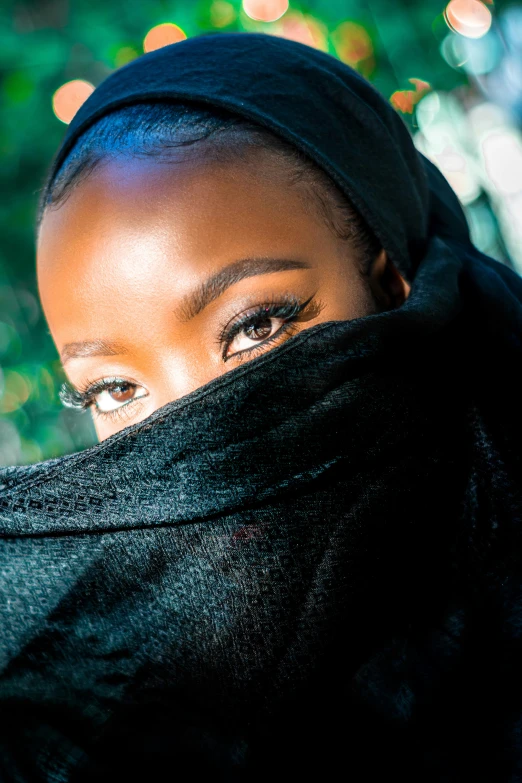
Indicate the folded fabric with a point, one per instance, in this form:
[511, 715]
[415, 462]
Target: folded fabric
[310, 566]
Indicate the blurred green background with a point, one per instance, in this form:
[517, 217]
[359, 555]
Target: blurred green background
[454, 72]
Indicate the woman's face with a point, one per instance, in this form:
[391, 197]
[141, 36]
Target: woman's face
[147, 268]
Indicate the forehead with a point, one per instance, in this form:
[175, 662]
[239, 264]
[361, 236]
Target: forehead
[140, 199]
[143, 224]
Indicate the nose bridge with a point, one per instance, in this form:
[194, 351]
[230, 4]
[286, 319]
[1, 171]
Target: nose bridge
[181, 372]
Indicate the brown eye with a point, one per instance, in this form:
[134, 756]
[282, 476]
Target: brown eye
[115, 396]
[261, 330]
[122, 393]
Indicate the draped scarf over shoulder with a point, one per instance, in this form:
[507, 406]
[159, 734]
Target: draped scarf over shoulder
[313, 562]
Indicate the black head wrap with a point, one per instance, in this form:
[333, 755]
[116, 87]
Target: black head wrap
[311, 565]
[362, 142]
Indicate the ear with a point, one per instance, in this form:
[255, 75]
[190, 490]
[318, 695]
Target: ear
[388, 286]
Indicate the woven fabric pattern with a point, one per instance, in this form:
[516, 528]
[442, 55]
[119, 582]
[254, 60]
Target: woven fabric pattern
[309, 568]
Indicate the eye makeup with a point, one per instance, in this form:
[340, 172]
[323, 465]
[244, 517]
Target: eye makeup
[286, 308]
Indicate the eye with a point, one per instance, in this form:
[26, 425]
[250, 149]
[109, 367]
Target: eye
[115, 396]
[107, 396]
[258, 332]
[256, 329]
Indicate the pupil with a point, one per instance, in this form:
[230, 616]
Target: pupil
[125, 395]
[258, 327]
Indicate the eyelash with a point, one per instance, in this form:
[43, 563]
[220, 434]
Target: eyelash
[85, 397]
[288, 308]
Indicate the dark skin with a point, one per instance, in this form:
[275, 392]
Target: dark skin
[120, 257]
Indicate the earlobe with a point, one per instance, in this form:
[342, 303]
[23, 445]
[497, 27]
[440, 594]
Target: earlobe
[389, 287]
[399, 288]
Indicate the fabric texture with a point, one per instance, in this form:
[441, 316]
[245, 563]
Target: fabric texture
[311, 566]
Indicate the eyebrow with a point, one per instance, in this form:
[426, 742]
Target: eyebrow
[90, 348]
[193, 303]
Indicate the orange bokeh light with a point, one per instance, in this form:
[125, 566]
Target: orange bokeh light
[421, 86]
[406, 100]
[163, 35]
[470, 18]
[403, 100]
[69, 97]
[304, 29]
[352, 43]
[265, 10]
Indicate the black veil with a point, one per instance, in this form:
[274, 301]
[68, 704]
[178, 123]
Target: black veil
[312, 563]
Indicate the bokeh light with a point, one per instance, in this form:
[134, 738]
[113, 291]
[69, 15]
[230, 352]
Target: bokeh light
[125, 55]
[163, 35]
[511, 24]
[10, 443]
[15, 392]
[406, 100]
[454, 165]
[443, 138]
[69, 97]
[352, 43]
[454, 55]
[10, 343]
[421, 86]
[502, 151]
[222, 13]
[403, 100]
[265, 10]
[428, 110]
[470, 18]
[498, 141]
[304, 29]
[476, 56]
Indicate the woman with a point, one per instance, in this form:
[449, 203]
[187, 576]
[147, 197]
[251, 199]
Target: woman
[233, 231]
[295, 550]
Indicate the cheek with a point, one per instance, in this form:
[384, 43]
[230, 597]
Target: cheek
[101, 432]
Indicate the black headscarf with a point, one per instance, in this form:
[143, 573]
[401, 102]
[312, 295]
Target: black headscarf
[311, 565]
